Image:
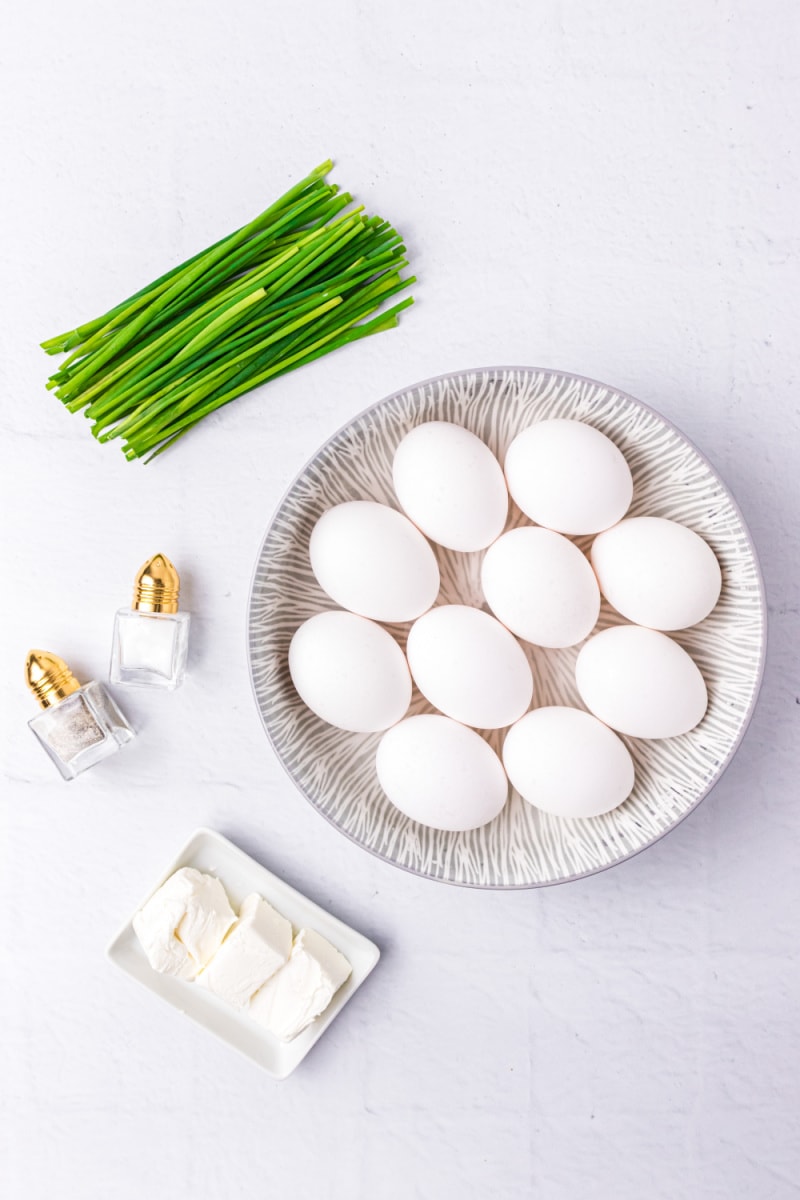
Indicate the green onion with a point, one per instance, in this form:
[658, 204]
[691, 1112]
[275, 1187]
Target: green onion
[307, 276]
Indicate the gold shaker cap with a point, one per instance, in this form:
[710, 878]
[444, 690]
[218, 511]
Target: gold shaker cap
[49, 677]
[157, 586]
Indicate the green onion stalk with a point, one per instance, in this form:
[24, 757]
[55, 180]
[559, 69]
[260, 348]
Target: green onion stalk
[310, 274]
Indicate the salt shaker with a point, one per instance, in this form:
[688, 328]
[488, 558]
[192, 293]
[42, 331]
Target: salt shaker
[80, 725]
[151, 638]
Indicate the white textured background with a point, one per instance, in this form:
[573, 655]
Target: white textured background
[608, 187]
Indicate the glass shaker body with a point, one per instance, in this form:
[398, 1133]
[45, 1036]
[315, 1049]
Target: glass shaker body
[82, 729]
[150, 649]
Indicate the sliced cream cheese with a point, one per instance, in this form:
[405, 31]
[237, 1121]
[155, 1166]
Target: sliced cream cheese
[182, 925]
[303, 988]
[254, 949]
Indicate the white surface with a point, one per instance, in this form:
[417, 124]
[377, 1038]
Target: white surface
[241, 875]
[607, 188]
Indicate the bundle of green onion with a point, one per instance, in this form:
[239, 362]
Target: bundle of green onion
[303, 278]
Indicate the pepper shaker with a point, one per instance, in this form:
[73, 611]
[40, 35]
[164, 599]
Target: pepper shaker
[80, 725]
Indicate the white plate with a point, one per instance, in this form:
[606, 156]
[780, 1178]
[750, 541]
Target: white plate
[240, 874]
[523, 847]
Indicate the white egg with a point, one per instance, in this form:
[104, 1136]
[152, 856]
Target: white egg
[566, 762]
[451, 485]
[541, 586]
[350, 672]
[469, 666]
[641, 682]
[440, 773]
[370, 559]
[657, 572]
[568, 476]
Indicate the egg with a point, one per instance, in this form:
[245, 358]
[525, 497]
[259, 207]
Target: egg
[657, 572]
[568, 476]
[469, 666]
[641, 682]
[541, 587]
[566, 762]
[451, 485]
[370, 559]
[441, 773]
[350, 672]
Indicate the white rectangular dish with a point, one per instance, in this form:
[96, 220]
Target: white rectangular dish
[240, 874]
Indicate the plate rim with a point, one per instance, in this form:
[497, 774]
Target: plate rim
[490, 371]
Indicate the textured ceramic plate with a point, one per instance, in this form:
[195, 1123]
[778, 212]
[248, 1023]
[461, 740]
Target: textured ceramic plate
[522, 847]
[240, 875]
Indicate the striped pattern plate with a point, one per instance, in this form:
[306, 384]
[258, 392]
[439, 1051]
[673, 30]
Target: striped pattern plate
[522, 847]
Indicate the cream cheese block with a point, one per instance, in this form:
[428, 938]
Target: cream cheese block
[254, 949]
[183, 924]
[302, 989]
